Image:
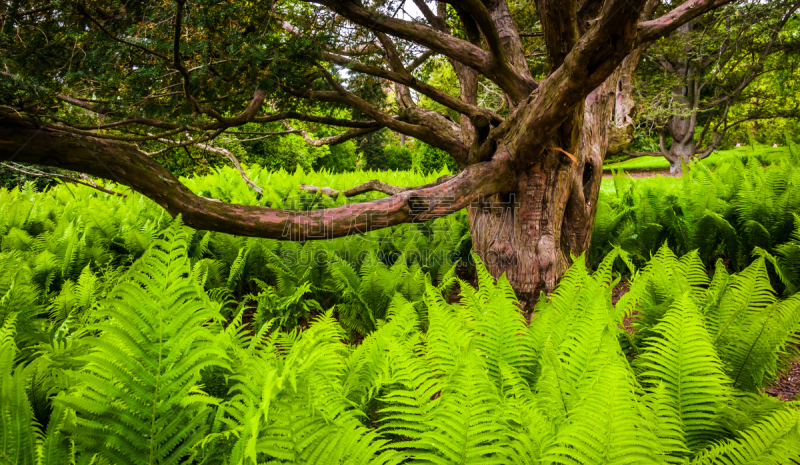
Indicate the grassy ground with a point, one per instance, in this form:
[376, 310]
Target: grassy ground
[763, 152]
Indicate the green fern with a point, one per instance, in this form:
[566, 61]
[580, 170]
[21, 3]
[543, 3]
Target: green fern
[608, 423]
[21, 440]
[493, 315]
[774, 440]
[464, 427]
[681, 360]
[139, 401]
[17, 435]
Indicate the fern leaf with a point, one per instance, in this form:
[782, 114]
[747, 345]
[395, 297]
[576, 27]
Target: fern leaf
[608, 424]
[775, 440]
[464, 428]
[682, 360]
[139, 403]
[17, 435]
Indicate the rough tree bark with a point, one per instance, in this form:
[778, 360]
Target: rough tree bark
[530, 180]
[624, 115]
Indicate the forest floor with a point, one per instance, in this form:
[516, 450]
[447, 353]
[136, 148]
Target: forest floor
[785, 387]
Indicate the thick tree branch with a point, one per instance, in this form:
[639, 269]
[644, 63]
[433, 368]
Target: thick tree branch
[560, 28]
[447, 45]
[477, 10]
[128, 166]
[403, 94]
[464, 52]
[668, 23]
[585, 68]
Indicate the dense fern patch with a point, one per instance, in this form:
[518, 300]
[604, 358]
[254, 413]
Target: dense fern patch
[64, 249]
[129, 338]
[154, 372]
[727, 213]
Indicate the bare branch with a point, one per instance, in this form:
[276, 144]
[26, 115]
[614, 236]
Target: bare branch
[370, 186]
[236, 164]
[472, 111]
[72, 130]
[434, 20]
[420, 60]
[40, 174]
[176, 61]
[421, 130]
[345, 123]
[331, 140]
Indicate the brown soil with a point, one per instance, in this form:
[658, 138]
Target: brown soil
[620, 290]
[787, 386]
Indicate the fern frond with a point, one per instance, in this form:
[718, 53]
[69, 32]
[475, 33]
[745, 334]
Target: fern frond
[774, 440]
[17, 435]
[750, 293]
[500, 329]
[140, 402]
[464, 427]
[682, 360]
[607, 424]
[753, 354]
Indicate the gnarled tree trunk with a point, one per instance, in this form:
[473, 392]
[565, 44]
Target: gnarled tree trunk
[531, 232]
[683, 146]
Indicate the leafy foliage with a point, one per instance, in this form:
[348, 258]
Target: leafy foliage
[723, 214]
[146, 341]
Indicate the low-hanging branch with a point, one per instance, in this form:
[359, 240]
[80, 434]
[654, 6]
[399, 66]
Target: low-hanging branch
[62, 177]
[126, 165]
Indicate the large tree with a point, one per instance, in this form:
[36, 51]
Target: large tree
[101, 87]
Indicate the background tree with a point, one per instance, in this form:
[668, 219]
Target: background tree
[102, 87]
[708, 77]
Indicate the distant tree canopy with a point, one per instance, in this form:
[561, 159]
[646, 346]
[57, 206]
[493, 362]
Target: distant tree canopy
[719, 79]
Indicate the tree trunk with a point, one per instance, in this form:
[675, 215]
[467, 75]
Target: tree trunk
[530, 233]
[521, 233]
[686, 97]
[680, 151]
[683, 144]
[624, 115]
